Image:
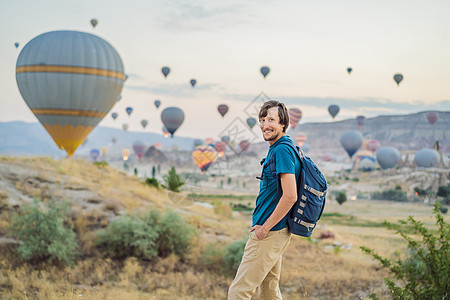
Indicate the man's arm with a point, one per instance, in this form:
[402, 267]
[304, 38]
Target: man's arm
[288, 199]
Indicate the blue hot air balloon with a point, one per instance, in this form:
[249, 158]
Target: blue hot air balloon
[172, 118]
[129, 110]
[251, 122]
[70, 80]
[265, 71]
[114, 115]
[157, 103]
[427, 158]
[388, 157]
[333, 110]
[16, 45]
[398, 78]
[193, 82]
[349, 70]
[225, 139]
[165, 71]
[95, 153]
[351, 140]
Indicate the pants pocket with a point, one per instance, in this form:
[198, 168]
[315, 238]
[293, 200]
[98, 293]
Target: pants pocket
[251, 248]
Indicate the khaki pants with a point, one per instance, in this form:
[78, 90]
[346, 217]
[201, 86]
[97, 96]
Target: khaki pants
[260, 267]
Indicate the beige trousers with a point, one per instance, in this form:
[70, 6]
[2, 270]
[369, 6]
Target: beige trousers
[260, 267]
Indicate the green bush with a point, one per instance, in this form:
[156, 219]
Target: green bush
[232, 256]
[443, 210]
[420, 192]
[423, 274]
[391, 194]
[443, 191]
[101, 163]
[43, 234]
[212, 258]
[129, 236]
[355, 179]
[172, 181]
[152, 182]
[341, 197]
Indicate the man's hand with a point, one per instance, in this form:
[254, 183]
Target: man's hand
[260, 231]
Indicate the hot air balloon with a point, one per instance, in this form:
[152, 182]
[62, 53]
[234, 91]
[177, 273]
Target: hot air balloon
[158, 146]
[129, 110]
[16, 45]
[165, 132]
[204, 156]
[300, 138]
[398, 78]
[114, 115]
[360, 121]
[125, 126]
[209, 141]
[349, 70]
[225, 139]
[333, 110]
[371, 145]
[427, 158]
[251, 122]
[94, 22]
[193, 82]
[223, 109]
[367, 163]
[172, 118]
[244, 145]
[125, 154]
[351, 141]
[95, 153]
[265, 71]
[432, 117]
[295, 115]
[139, 148]
[306, 147]
[157, 103]
[113, 140]
[103, 150]
[220, 148]
[165, 71]
[144, 123]
[198, 142]
[388, 157]
[70, 80]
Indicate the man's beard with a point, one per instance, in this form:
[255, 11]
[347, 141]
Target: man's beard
[273, 137]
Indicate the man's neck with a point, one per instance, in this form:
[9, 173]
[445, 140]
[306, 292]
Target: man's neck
[274, 141]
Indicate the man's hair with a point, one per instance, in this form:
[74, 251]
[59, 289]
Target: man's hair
[282, 112]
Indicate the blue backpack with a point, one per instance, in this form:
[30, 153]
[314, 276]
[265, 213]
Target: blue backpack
[311, 191]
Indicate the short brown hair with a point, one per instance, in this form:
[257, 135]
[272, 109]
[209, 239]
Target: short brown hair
[282, 112]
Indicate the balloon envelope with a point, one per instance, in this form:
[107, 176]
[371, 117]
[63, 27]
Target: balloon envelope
[125, 154]
[349, 70]
[95, 153]
[223, 109]
[144, 123]
[295, 115]
[165, 71]
[70, 80]
[225, 139]
[172, 118]
[16, 45]
[198, 142]
[388, 157]
[193, 82]
[398, 78]
[157, 103]
[244, 145]
[94, 22]
[432, 117]
[251, 122]
[125, 127]
[427, 158]
[220, 146]
[300, 138]
[351, 141]
[333, 110]
[129, 110]
[204, 156]
[139, 148]
[360, 120]
[265, 71]
[114, 115]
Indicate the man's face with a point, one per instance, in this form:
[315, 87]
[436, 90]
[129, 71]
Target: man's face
[270, 126]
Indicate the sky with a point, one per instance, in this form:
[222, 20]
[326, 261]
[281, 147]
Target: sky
[308, 46]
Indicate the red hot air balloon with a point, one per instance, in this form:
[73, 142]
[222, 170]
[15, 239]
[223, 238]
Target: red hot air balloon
[244, 145]
[220, 148]
[432, 117]
[301, 138]
[223, 109]
[139, 148]
[295, 115]
[360, 121]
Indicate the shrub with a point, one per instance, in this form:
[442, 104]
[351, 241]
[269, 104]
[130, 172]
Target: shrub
[212, 258]
[43, 234]
[420, 192]
[424, 272]
[443, 191]
[391, 194]
[341, 197]
[355, 179]
[152, 182]
[443, 210]
[153, 171]
[232, 256]
[173, 181]
[101, 163]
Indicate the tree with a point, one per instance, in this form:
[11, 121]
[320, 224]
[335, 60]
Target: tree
[173, 181]
[153, 171]
[341, 197]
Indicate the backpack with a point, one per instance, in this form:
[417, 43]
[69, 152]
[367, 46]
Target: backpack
[311, 192]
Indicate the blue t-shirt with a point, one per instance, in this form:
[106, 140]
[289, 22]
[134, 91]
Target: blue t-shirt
[286, 162]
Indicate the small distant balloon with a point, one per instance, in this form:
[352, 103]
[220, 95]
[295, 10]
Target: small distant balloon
[16, 45]
[94, 22]
[114, 115]
[223, 109]
[129, 110]
[427, 158]
[104, 150]
[172, 118]
[125, 154]
[193, 82]
[157, 103]
[333, 110]
[165, 132]
[165, 71]
[388, 157]
[225, 139]
[295, 116]
[95, 153]
[209, 141]
[300, 138]
[198, 142]
[144, 123]
[265, 71]
[125, 127]
[113, 140]
[349, 70]
[244, 145]
[139, 148]
[251, 122]
[220, 148]
[360, 120]
[351, 141]
[204, 156]
[432, 117]
[398, 78]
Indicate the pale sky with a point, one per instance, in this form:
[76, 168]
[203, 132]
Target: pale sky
[222, 44]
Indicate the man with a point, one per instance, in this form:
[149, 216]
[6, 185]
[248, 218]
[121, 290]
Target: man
[260, 267]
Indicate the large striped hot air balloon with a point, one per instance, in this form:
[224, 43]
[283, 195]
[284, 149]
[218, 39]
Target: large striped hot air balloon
[204, 156]
[70, 80]
[295, 115]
